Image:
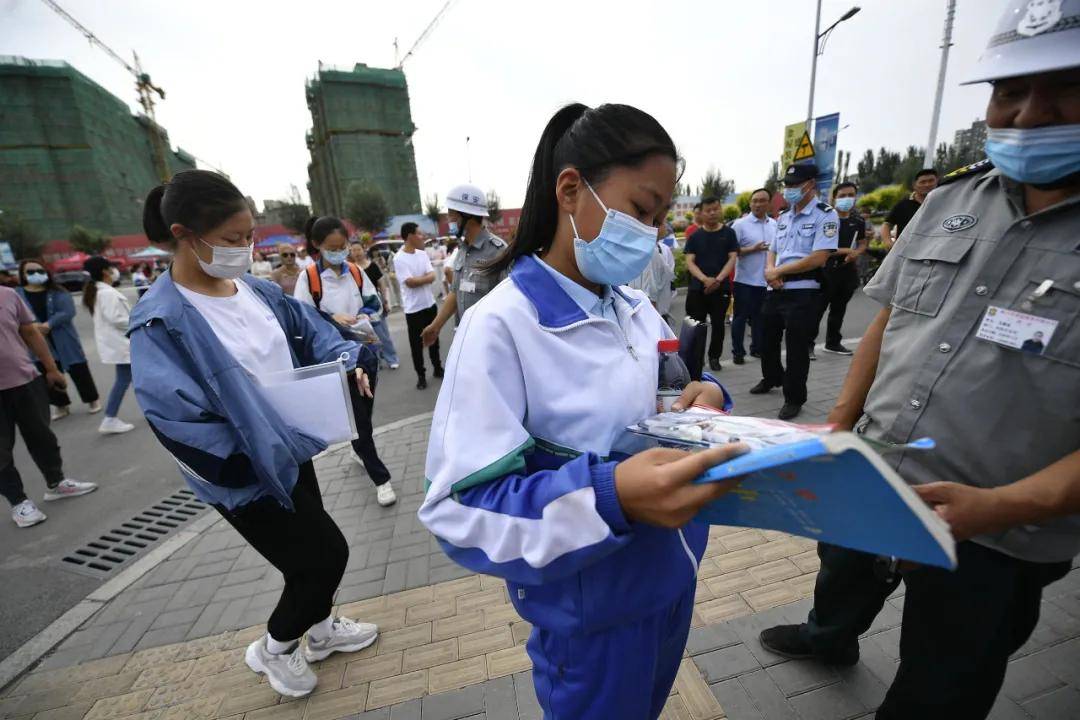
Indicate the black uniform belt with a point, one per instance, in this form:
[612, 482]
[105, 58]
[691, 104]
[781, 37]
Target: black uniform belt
[815, 275]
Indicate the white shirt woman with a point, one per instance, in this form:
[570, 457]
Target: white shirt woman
[111, 312]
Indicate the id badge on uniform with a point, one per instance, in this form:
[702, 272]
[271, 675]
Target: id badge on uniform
[467, 286]
[1015, 329]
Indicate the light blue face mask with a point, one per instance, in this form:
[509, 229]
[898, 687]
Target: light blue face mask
[1036, 156]
[619, 253]
[36, 278]
[452, 228]
[335, 257]
[845, 204]
[793, 195]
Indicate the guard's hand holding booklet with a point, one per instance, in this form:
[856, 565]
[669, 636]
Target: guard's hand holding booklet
[808, 481]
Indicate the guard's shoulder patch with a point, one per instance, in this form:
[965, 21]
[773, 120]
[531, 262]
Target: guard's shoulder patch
[497, 241]
[967, 171]
[824, 206]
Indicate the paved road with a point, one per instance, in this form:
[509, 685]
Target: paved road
[134, 472]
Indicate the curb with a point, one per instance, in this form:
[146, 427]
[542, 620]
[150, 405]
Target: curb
[38, 646]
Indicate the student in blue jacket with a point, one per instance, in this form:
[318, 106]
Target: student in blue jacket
[599, 550]
[198, 337]
[55, 312]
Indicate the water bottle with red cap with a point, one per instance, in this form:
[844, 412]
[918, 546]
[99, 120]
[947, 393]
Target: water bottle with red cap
[673, 376]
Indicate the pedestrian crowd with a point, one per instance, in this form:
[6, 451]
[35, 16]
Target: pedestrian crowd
[555, 353]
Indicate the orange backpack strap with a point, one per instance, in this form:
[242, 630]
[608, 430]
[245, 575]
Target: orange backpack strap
[314, 280]
[355, 270]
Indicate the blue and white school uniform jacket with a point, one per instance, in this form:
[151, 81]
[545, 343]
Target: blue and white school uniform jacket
[519, 466]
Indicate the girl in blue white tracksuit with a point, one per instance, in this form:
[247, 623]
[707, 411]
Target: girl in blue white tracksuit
[544, 375]
[200, 338]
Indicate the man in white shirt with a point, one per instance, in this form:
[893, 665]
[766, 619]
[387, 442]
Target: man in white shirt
[755, 233]
[416, 276]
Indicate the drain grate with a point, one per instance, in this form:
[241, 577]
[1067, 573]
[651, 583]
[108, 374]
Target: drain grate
[114, 549]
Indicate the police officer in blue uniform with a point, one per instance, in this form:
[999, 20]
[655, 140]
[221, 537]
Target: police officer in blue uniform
[806, 234]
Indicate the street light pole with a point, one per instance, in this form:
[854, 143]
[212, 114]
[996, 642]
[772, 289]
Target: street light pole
[813, 66]
[946, 43]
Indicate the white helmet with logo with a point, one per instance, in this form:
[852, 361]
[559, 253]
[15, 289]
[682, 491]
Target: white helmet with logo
[470, 200]
[1034, 36]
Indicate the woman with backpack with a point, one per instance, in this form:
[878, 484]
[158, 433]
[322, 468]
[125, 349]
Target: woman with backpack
[54, 311]
[199, 339]
[111, 313]
[340, 289]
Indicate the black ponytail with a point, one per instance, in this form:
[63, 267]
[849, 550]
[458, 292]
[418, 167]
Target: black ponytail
[316, 229]
[199, 200]
[593, 140]
[96, 267]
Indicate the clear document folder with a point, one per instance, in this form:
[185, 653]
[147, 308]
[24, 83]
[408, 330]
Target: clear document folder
[313, 400]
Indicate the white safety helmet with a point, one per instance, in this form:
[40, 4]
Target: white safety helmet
[1033, 36]
[468, 199]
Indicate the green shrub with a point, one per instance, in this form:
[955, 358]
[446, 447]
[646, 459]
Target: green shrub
[682, 275]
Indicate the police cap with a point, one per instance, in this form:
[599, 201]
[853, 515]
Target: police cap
[800, 173]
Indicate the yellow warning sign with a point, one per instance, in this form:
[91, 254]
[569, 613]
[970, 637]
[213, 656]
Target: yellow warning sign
[805, 150]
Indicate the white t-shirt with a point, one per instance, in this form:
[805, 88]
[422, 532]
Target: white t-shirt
[410, 265]
[247, 328]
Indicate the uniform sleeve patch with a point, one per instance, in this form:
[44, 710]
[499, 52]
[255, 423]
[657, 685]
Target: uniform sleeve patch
[829, 229]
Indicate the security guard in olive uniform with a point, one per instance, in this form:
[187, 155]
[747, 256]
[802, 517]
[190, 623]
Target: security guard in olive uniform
[466, 208]
[990, 263]
[805, 237]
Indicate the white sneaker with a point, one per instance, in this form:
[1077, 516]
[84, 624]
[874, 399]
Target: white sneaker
[26, 514]
[114, 426]
[59, 413]
[384, 494]
[94, 407]
[345, 636]
[288, 674]
[395, 366]
[69, 488]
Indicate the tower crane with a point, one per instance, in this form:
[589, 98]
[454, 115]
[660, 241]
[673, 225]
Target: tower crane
[424, 35]
[143, 85]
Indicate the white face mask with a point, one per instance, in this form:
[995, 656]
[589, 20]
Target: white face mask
[226, 263]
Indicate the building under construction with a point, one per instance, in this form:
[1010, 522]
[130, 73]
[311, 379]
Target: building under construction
[361, 133]
[73, 153]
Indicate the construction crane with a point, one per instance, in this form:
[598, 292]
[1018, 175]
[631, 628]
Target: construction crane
[424, 35]
[146, 89]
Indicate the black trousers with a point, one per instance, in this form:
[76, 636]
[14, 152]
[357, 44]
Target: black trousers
[304, 544]
[791, 316]
[837, 288]
[958, 631]
[364, 444]
[84, 383]
[416, 322]
[26, 407]
[748, 301]
[714, 307]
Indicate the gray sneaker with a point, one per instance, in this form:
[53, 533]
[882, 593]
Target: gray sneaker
[287, 674]
[345, 636]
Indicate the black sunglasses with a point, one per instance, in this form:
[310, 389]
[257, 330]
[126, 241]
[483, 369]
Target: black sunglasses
[287, 254]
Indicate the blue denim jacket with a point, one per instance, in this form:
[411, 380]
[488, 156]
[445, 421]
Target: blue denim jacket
[232, 447]
[63, 337]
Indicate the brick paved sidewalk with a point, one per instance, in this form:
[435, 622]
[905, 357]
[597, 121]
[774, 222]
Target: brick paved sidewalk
[171, 645]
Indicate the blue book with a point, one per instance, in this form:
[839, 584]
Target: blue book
[834, 488]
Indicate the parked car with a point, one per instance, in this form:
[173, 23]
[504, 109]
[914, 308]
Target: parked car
[72, 280]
